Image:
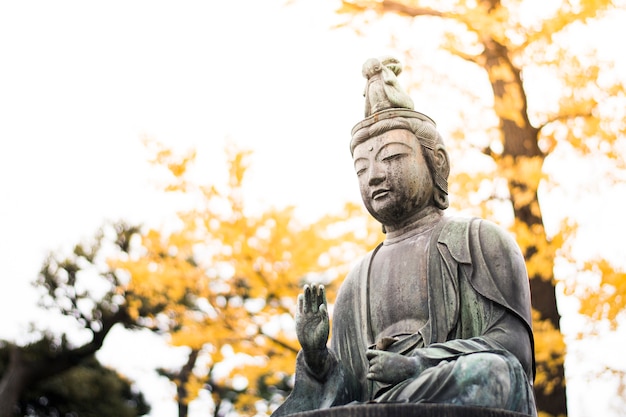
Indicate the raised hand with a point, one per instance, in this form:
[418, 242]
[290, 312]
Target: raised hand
[312, 326]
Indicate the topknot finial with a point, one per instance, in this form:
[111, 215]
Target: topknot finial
[386, 101]
[383, 91]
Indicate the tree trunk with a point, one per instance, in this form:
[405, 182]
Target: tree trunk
[521, 164]
[38, 364]
[15, 379]
[181, 383]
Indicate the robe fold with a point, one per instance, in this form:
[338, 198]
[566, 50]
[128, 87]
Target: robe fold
[479, 319]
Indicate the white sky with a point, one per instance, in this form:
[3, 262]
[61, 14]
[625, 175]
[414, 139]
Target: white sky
[82, 82]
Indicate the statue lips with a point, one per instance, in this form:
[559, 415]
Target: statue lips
[380, 193]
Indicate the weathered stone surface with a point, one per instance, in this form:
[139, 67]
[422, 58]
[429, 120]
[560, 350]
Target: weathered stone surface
[408, 410]
[438, 313]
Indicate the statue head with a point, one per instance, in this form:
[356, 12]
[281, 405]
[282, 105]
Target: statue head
[389, 109]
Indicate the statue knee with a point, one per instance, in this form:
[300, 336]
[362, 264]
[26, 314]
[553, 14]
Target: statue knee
[486, 380]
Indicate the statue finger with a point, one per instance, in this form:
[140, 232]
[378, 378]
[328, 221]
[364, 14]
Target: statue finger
[314, 295]
[375, 363]
[374, 373]
[321, 295]
[372, 354]
[300, 304]
[324, 310]
[307, 299]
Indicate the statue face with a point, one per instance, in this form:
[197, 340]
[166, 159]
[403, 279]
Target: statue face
[394, 179]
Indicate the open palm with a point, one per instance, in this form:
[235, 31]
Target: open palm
[312, 324]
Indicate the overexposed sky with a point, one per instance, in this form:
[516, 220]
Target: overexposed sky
[82, 82]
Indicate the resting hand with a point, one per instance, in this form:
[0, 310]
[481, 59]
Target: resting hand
[312, 326]
[390, 367]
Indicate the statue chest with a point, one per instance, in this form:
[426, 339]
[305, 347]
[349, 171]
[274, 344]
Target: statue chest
[398, 287]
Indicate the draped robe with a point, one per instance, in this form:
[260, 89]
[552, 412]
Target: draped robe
[478, 309]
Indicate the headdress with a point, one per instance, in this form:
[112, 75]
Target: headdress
[385, 100]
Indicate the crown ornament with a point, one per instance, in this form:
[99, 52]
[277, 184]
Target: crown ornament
[382, 90]
[386, 99]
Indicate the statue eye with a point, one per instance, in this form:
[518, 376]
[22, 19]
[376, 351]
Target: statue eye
[394, 156]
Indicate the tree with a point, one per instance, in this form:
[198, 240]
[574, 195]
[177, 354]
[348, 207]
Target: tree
[79, 287]
[517, 53]
[87, 389]
[221, 281]
[226, 279]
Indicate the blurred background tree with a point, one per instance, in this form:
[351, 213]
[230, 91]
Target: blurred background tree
[228, 276]
[531, 93]
[87, 390]
[53, 373]
[221, 280]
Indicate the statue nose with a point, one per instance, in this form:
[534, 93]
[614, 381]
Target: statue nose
[377, 175]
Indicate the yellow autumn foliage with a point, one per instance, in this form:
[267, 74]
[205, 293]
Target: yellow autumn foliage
[193, 387]
[606, 300]
[546, 96]
[224, 281]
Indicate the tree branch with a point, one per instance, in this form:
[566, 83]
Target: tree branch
[278, 342]
[563, 117]
[52, 365]
[183, 377]
[406, 10]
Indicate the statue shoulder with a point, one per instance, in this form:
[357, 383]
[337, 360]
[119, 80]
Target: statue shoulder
[498, 270]
[496, 242]
[454, 234]
[466, 235]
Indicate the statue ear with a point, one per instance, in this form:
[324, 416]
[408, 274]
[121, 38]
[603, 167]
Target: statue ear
[441, 200]
[442, 167]
[442, 161]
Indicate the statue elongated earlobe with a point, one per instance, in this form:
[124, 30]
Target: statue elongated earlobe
[442, 171]
[441, 199]
[442, 165]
